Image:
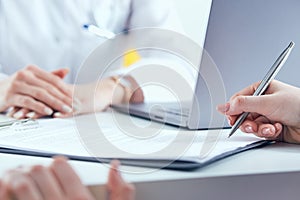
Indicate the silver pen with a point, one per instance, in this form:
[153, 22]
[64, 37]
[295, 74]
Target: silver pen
[265, 83]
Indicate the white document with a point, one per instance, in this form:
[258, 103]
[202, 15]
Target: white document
[63, 136]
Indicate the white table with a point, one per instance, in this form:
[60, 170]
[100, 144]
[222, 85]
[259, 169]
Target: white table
[272, 172]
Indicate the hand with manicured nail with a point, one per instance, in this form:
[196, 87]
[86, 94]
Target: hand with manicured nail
[274, 115]
[40, 101]
[35, 90]
[59, 181]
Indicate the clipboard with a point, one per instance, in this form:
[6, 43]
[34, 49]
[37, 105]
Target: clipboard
[180, 165]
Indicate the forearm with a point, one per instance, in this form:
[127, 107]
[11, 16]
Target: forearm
[120, 92]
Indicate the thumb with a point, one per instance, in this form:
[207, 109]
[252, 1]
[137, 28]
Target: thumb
[61, 73]
[253, 104]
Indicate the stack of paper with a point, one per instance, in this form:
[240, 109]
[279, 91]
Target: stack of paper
[156, 148]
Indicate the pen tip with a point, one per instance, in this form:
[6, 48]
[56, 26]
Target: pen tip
[292, 44]
[85, 26]
[233, 130]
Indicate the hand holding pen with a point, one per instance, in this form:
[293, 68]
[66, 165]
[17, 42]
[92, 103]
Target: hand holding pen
[267, 112]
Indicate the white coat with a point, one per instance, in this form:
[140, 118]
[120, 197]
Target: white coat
[49, 33]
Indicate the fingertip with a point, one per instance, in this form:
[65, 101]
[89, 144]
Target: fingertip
[114, 169]
[61, 73]
[59, 160]
[48, 111]
[59, 163]
[36, 169]
[223, 108]
[57, 115]
[66, 70]
[115, 164]
[18, 115]
[248, 129]
[32, 115]
[269, 131]
[61, 115]
[11, 111]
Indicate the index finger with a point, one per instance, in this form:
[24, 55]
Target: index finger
[50, 78]
[247, 91]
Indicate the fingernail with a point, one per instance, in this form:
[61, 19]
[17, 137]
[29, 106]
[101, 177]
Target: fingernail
[66, 109]
[57, 114]
[248, 129]
[48, 111]
[10, 111]
[31, 114]
[267, 131]
[18, 115]
[76, 105]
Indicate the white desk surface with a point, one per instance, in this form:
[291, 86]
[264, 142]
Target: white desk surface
[273, 159]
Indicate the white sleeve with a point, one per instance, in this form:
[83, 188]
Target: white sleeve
[155, 13]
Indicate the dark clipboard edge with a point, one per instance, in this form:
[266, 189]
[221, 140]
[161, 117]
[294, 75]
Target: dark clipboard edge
[179, 165]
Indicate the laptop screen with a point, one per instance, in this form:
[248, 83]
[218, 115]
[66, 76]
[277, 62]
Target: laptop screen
[243, 39]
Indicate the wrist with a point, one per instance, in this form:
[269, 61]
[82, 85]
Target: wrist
[122, 90]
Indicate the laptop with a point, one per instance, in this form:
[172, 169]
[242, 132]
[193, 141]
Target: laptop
[243, 39]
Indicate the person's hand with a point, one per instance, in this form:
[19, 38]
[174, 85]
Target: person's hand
[98, 96]
[59, 182]
[274, 115]
[87, 98]
[21, 113]
[36, 90]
